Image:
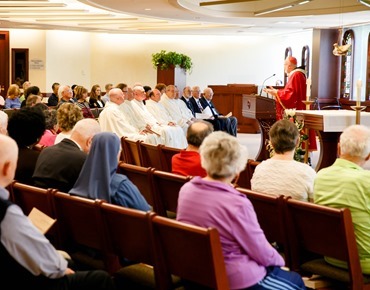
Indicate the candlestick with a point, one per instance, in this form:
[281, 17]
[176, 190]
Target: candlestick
[358, 93]
[308, 89]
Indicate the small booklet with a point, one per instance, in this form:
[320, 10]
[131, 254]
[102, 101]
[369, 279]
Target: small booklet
[40, 220]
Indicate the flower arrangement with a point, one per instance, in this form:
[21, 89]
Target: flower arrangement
[164, 59]
[289, 114]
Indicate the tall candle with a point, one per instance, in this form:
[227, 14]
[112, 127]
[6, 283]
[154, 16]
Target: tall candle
[358, 93]
[308, 90]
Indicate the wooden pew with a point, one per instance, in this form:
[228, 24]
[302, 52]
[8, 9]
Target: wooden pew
[130, 239]
[190, 252]
[81, 232]
[141, 177]
[270, 214]
[150, 156]
[323, 231]
[167, 153]
[130, 151]
[166, 187]
[27, 197]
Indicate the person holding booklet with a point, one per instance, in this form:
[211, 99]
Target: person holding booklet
[226, 123]
[27, 258]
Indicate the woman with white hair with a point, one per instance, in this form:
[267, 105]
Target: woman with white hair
[251, 262]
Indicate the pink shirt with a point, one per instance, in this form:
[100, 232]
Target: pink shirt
[246, 250]
[48, 138]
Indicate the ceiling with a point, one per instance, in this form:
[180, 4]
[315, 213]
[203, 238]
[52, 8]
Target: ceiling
[207, 17]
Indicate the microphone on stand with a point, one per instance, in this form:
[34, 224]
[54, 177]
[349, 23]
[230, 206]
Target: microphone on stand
[264, 83]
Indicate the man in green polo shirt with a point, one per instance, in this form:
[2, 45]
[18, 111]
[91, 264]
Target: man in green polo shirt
[345, 184]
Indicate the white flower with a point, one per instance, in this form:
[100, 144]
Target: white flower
[289, 112]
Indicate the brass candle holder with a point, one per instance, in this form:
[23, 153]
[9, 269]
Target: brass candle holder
[358, 108]
[308, 104]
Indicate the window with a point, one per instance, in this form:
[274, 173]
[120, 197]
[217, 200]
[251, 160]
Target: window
[347, 66]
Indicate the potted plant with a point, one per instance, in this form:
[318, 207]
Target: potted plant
[164, 60]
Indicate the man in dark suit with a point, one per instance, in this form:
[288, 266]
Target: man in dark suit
[220, 122]
[186, 97]
[59, 166]
[54, 99]
[195, 100]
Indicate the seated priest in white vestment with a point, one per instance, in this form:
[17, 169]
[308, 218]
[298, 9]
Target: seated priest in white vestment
[173, 108]
[111, 119]
[172, 136]
[157, 109]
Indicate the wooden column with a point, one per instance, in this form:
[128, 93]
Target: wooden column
[172, 76]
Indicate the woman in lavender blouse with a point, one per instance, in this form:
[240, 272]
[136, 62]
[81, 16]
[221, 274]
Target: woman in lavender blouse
[251, 262]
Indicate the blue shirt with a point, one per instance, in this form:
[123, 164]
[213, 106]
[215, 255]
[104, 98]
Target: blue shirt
[12, 103]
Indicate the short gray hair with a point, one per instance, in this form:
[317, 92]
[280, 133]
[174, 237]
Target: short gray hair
[222, 155]
[355, 141]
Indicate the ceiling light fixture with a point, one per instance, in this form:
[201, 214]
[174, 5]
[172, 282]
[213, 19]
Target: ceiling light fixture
[275, 9]
[223, 2]
[365, 2]
[30, 4]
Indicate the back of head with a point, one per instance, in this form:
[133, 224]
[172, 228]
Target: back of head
[26, 126]
[33, 90]
[101, 164]
[86, 128]
[68, 115]
[355, 142]
[50, 118]
[33, 100]
[3, 123]
[84, 131]
[8, 160]
[197, 131]
[283, 136]
[222, 156]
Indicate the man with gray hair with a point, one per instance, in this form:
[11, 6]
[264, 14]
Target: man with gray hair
[112, 119]
[346, 184]
[59, 166]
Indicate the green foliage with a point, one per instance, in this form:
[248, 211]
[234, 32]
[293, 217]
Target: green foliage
[164, 60]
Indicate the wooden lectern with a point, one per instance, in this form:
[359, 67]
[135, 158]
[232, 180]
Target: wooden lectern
[263, 110]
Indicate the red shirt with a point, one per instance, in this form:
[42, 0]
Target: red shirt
[187, 163]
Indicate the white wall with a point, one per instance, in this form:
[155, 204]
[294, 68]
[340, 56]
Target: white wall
[91, 58]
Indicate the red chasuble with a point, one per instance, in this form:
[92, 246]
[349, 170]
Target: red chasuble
[292, 97]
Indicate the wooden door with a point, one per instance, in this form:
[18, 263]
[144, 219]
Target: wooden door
[4, 62]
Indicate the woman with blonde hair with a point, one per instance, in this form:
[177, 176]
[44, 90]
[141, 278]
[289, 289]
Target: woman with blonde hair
[68, 115]
[12, 97]
[251, 261]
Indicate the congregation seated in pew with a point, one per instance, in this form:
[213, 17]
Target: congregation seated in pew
[251, 262]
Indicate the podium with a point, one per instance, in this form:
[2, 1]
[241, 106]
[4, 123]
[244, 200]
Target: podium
[263, 110]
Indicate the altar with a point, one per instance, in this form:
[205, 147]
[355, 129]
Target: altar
[329, 124]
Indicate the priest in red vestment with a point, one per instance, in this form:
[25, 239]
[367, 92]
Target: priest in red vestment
[293, 94]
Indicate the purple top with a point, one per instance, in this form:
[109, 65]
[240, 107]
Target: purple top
[246, 251]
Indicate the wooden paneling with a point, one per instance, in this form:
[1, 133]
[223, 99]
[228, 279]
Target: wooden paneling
[229, 98]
